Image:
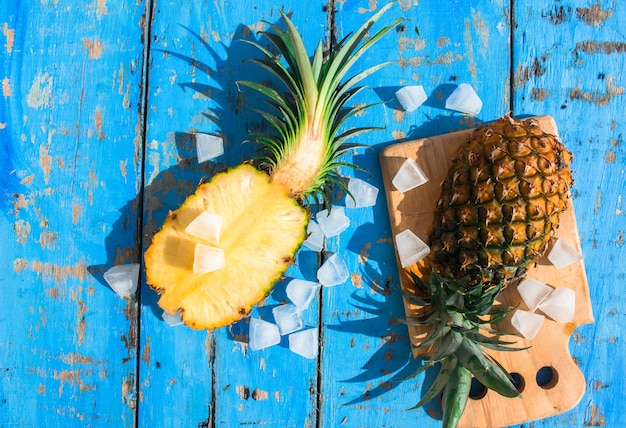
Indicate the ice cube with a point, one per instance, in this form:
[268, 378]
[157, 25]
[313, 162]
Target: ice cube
[123, 279]
[262, 334]
[315, 237]
[527, 323]
[533, 292]
[560, 305]
[288, 318]
[411, 97]
[563, 254]
[208, 146]
[172, 320]
[207, 259]
[363, 194]
[332, 222]
[302, 292]
[464, 99]
[333, 272]
[409, 176]
[411, 248]
[305, 343]
[206, 226]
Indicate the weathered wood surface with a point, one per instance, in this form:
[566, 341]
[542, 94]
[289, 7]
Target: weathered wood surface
[98, 103]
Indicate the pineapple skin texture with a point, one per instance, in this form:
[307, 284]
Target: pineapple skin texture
[500, 202]
[262, 230]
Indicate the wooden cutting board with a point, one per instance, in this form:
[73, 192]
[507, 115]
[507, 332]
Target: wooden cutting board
[549, 353]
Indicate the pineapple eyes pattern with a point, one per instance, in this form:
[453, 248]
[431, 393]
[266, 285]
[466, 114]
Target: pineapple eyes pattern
[501, 199]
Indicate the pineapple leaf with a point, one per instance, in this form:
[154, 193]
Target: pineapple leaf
[447, 368]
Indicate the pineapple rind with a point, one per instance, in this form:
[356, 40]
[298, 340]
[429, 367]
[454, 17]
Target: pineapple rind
[500, 203]
[262, 230]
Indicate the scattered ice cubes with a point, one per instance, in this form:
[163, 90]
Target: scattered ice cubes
[563, 254]
[533, 292]
[363, 194]
[123, 279]
[315, 237]
[464, 99]
[208, 146]
[409, 176]
[560, 305]
[172, 320]
[206, 226]
[207, 259]
[302, 292]
[411, 97]
[333, 272]
[332, 222]
[262, 334]
[527, 323]
[305, 343]
[288, 318]
[411, 248]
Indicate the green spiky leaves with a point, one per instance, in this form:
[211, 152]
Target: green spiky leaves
[459, 316]
[309, 111]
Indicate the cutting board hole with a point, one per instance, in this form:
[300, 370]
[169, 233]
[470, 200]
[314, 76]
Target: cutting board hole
[518, 381]
[547, 377]
[477, 390]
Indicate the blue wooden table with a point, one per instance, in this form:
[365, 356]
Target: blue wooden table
[97, 106]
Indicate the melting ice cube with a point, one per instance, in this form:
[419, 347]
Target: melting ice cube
[527, 323]
[207, 259]
[262, 334]
[315, 237]
[208, 146]
[288, 318]
[206, 226]
[409, 176]
[172, 320]
[333, 272]
[302, 292]
[410, 248]
[464, 99]
[123, 279]
[411, 97]
[332, 222]
[560, 305]
[563, 254]
[305, 343]
[363, 194]
[533, 292]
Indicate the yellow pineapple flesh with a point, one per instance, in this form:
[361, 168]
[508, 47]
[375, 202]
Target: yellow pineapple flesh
[257, 248]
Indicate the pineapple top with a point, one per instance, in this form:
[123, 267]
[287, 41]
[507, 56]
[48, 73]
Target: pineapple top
[500, 202]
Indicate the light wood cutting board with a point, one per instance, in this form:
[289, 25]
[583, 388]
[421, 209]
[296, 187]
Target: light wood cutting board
[549, 352]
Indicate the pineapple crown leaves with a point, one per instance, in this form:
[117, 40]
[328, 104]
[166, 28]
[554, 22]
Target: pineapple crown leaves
[315, 96]
[458, 314]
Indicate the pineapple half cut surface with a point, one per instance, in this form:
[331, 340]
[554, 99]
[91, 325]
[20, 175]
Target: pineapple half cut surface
[256, 250]
[263, 218]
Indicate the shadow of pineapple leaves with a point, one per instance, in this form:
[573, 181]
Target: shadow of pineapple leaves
[213, 77]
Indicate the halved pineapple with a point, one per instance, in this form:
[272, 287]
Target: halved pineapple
[257, 248]
[264, 223]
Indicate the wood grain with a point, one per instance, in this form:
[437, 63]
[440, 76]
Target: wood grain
[98, 102]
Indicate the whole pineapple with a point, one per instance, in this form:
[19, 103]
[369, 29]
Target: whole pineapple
[499, 206]
[261, 208]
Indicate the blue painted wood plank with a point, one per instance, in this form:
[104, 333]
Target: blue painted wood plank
[574, 72]
[197, 56]
[70, 160]
[436, 51]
